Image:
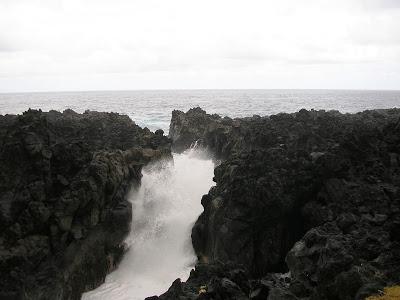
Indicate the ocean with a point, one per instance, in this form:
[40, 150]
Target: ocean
[152, 108]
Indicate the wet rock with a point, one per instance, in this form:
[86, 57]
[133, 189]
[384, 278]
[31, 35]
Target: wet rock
[313, 192]
[63, 209]
[159, 132]
[211, 281]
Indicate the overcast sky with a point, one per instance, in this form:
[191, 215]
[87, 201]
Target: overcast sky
[50, 45]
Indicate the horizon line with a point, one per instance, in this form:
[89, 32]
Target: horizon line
[194, 89]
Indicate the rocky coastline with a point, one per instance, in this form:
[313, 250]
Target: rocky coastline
[64, 214]
[306, 205]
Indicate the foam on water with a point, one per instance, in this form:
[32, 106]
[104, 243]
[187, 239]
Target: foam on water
[164, 209]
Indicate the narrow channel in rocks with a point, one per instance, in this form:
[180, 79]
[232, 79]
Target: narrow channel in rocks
[165, 207]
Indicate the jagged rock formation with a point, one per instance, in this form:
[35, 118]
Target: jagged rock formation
[63, 209]
[314, 193]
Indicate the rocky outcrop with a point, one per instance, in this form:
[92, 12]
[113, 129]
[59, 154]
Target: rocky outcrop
[63, 209]
[313, 193]
[227, 281]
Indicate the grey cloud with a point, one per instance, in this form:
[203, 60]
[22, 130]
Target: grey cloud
[6, 46]
[381, 4]
[254, 56]
[389, 3]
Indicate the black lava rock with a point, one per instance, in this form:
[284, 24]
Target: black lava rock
[314, 193]
[63, 209]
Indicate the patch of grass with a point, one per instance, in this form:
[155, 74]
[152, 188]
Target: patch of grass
[389, 293]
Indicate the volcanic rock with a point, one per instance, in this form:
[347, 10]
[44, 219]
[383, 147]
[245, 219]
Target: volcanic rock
[313, 194]
[64, 215]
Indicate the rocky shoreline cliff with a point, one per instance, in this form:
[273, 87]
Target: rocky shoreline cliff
[64, 214]
[306, 205]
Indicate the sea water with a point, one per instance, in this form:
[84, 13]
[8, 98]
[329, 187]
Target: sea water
[152, 108]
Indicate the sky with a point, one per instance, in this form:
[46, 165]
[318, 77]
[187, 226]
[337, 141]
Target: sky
[62, 45]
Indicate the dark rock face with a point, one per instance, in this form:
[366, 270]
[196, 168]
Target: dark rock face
[63, 209]
[315, 193]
